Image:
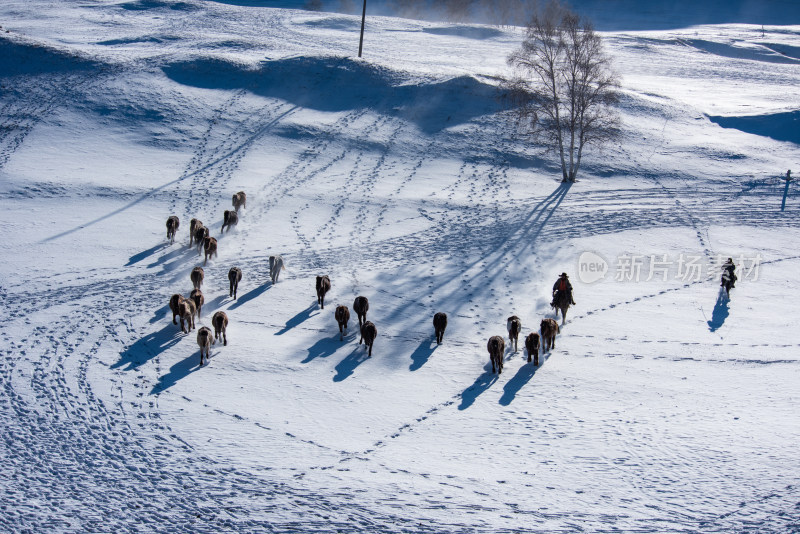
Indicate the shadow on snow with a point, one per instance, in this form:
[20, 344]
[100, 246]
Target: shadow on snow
[348, 365]
[422, 353]
[721, 311]
[298, 319]
[149, 347]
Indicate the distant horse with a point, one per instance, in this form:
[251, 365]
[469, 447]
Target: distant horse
[496, 347]
[210, 247]
[239, 200]
[197, 276]
[200, 235]
[172, 226]
[197, 297]
[532, 344]
[323, 286]
[561, 302]
[549, 328]
[276, 265]
[360, 306]
[234, 277]
[439, 325]
[204, 339]
[514, 325]
[342, 315]
[194, 225]
[220, 323]
[186, 310]
[174, 302]
[229, 219]
[368, 335]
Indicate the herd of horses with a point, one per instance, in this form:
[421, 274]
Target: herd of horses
[186, 309]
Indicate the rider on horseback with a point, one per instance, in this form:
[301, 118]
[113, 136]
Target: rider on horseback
[728, 269]
[562, 288]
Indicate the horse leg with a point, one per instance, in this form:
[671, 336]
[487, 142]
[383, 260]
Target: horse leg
[224, 338]
[369, 354]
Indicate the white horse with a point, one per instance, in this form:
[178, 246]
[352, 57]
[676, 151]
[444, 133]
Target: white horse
[276, 265]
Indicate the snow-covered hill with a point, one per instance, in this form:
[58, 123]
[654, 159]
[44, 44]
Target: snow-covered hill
[664, 407]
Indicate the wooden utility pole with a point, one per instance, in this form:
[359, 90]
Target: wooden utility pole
[363, 18]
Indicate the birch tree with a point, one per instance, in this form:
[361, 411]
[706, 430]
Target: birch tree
[563, 89]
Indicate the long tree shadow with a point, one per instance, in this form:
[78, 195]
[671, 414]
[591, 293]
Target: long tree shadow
[250, 295]
[149, 347]
[512, 387]
[180, 370]
[297, 319]
[323, 348]
[721, 311]
[481, 384]
[422, 353]
[136, 258]
[348, 365]
[506, 245]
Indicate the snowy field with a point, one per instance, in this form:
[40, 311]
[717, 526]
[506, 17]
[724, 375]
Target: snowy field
[664, 407]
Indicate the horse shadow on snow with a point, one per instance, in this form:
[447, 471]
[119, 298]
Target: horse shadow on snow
[481, 384]
[348, 365]
[422, 354]
[180, 370]
[325, 347]
[299, 318]
[149, 347]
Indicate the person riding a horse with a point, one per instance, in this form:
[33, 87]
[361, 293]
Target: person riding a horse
[562, 289]
[728, 268]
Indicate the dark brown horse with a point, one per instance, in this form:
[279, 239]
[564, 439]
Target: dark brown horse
[323, 286]
[532, 344]
[360, 306]
[342, 315]
[210, 247]
[514, 325]
[172, 226]
[200, 235]
[229, 219]
[239, 200]
[561, 302]
[174, 303]
[186, 310]
[496, 347]
[194, 225]
[549, 328]
[439, 325]
[220, 322]
[234, 277]
[368, 335]
[204, 339]
[197, 297]
[197, 276]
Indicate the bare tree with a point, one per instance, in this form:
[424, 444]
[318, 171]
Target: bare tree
[563, 87]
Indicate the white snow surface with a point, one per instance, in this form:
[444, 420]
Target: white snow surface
[664, 407]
